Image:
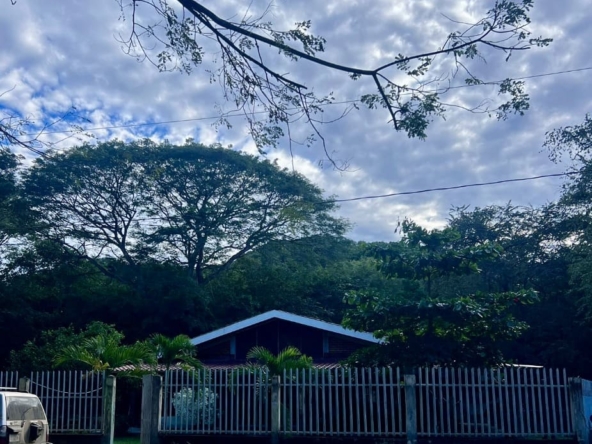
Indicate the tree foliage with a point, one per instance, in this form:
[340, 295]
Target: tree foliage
[574, 142]
[8, 195]
[39, 354]
[309, 277]
[198, 207]
[170, 351]
[185, 32]
[537, 252]
[107, 353]
[289, 358]
[422, 318]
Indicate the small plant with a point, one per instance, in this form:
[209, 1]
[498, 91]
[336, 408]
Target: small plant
[195, 407]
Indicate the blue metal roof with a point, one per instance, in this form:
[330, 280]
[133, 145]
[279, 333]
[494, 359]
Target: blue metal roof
[289, 317]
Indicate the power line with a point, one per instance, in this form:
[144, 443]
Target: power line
[370, 197]
[454, 187]
[344, 102]
[233, 113]
[534, 76]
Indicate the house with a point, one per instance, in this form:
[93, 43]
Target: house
[325, 342]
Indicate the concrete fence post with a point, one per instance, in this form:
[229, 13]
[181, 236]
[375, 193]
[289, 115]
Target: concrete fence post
[578, 413]
[109, 410]
[587, 399]
[275, 410]
[151, 409]
[24, 385]
[410, 409]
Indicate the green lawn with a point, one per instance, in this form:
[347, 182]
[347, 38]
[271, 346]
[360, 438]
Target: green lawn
[128, 440]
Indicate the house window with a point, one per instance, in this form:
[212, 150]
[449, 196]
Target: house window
[325, 344]
[233, 346]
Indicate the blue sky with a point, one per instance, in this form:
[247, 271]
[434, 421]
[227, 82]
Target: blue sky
[59, 54]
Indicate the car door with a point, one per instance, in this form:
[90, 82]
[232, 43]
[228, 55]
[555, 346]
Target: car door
[26, 420]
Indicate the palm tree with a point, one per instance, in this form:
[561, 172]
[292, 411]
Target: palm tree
[289, 358]
[102, 353]
[169, 351]
[272, 365]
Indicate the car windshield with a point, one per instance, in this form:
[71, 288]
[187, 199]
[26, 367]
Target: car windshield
[19, 408]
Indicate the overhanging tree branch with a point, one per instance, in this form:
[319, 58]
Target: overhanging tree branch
[250, 79]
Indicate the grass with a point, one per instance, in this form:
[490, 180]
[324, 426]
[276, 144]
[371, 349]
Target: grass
[127, 440]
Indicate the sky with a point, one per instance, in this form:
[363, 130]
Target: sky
[55, 55]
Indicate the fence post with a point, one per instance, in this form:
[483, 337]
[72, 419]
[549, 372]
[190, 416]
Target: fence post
[151, 409]
[275, 410]
[24, 385]
[411, 409]
[578, 416]
[108, 410]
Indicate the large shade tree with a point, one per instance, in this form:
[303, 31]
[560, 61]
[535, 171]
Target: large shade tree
[198, 207]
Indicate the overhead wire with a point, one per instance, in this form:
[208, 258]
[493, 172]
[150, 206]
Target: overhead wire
[454, 187]
[378, 196]
[236, 113]
[157, 219]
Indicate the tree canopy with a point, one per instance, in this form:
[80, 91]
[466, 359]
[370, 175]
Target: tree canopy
[425, 318]
[496, 284]
[198, 207]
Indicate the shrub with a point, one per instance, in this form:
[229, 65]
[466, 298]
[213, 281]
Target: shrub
[195, 407]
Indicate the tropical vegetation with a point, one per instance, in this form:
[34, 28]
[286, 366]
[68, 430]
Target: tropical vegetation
[157, 241]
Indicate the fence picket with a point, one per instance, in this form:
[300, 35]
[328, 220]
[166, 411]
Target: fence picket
[504, 402]
[559, 402]
[67, 399]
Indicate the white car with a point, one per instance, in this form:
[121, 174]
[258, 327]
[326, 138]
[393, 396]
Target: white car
[22, 418]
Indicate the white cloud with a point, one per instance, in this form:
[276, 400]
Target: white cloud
[59, 54]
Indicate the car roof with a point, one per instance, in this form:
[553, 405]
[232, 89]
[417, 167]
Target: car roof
[17, 393]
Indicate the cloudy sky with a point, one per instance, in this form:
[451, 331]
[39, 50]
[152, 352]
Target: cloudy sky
[55, 54]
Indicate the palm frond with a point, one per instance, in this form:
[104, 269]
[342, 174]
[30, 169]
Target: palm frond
[289, 358]
[169, 351]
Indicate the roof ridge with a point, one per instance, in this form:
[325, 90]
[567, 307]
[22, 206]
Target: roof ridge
[286, 316]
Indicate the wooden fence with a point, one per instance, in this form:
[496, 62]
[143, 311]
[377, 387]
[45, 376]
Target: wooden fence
[73, 400]
[510, 402]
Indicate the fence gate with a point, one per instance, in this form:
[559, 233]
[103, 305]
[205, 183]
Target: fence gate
[73, 400]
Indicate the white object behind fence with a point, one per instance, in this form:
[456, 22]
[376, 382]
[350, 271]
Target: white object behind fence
[216, 402]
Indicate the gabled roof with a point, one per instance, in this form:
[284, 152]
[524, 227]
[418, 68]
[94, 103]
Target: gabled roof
[284, 316]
